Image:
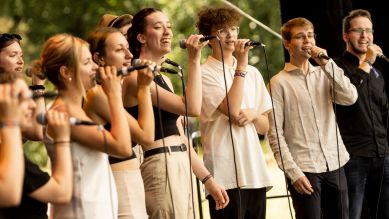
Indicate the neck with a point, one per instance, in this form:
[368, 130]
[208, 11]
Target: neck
[72, 97]
[152, 56]
[227, 56]
[302, 64]
[360, 56]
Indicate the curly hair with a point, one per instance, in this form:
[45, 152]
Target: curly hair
[211, 18]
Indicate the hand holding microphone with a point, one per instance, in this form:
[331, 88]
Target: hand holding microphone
[184, 42]
[319, 55]
[42, 119]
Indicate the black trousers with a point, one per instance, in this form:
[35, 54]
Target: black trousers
[329, 199]
[249, 204]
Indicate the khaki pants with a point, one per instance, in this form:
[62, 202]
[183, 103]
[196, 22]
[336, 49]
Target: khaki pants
[131, 194]
[168, 193]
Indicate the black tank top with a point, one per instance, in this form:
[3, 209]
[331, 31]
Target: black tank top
[113, 160]
[168, 119]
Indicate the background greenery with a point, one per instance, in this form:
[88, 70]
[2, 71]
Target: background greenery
[37, 20]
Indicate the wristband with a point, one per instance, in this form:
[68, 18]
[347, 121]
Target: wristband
[4, 124]
[206, 178]
[61, 142]
[240, 73]
[36, 87]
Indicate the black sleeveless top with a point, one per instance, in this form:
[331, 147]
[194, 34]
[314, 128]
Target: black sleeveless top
[113, 160]
[168, 119]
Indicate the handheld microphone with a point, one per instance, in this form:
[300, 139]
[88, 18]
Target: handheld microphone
[136, 62]
[254, 43]
[383, 57]
[41, 119]
[182, 43]
[48, 94]
[122, 71]
[321, 55]
[170, 62]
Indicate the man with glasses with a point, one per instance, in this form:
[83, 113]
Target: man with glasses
[364, 125]
[303, 132]
[234, 109]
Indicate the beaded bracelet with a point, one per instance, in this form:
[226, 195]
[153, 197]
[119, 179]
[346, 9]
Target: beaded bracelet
[4, 124]
[206, 178]
[240, 73]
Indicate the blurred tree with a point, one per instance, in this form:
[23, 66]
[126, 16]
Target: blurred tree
[37, 20]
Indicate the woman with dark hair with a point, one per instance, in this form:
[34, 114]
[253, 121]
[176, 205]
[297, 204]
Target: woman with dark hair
[68, 64]
[109, 47]
[165, 169]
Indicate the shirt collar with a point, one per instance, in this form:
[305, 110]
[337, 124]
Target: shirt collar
[290, 68]
[214, 63]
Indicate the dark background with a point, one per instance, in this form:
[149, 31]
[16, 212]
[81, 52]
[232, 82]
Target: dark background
[327, 15]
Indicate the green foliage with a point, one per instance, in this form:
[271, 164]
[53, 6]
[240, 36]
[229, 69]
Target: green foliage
[37, 20]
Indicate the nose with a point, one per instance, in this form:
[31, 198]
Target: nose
[20, 60]
[129, 54]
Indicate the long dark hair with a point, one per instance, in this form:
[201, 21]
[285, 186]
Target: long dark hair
[138, 26]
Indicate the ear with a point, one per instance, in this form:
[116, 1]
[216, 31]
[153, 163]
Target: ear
[286, 44]
[141, 38]
[64, 73]
[345, 37]
[98, 59]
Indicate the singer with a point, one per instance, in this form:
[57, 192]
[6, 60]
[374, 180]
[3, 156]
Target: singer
[109, 47]
[304, 118]
[165, 169]
[364, 125]
[248, 105]
[67, 63]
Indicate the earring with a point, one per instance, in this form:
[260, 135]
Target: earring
[70, 79]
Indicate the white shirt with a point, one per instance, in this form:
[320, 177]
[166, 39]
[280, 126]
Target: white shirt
[215, 132]
[305, 118]
[94, 191]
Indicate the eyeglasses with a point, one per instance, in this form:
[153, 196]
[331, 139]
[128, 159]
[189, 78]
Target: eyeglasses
[7, 36]
[233, 30]
[302, 37]
[361, 30]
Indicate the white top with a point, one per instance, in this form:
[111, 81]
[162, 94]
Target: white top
[94, 191]
[215, 131]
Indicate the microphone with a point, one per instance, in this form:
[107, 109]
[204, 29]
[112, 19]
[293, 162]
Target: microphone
[170, 62]
[321, 55]
[48, 94]
[122, 71]
[41, 119]
[182, 43]
[163, 69]
[383, 57]
[254, 43]
[136, 62]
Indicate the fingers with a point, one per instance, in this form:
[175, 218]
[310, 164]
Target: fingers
[303, 186]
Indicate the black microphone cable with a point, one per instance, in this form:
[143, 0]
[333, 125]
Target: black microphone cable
[186, 127]
[383, 164]
[100, 128]
[163, 136]
[277, 135]
[337, 138]
[231, 134]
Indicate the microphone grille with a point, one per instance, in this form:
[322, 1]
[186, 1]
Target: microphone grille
[182, 44]
[41, 119]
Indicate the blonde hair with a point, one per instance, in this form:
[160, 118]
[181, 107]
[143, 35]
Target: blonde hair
[62, 50]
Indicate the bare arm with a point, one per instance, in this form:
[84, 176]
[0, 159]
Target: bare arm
[59, 187]
[11, 152]
[235, 93]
